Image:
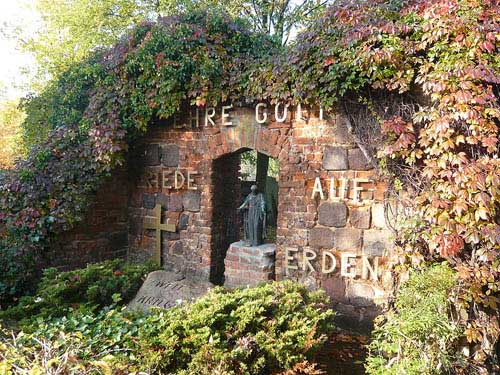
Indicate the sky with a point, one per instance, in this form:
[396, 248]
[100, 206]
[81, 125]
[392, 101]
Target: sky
[12, 60]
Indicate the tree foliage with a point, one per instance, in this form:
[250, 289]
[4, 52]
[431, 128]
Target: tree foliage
[11, 119]
[103, 103]
[71, 31]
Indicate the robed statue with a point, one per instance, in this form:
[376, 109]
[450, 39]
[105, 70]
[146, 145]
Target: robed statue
[254, 217]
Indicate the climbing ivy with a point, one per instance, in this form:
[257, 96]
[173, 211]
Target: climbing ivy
[100, 106]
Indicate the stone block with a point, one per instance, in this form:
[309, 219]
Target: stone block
[341, 132]
[191, 200]
[167, 289]
[360, 294]
[175, 203]
[378, 215]
[360, 217]
[358, 160]
[152, 155]
[332, 214]
[321, 237]
[170, 155]
[347, 239]
[149, 201]
[335, 158]
[377, 241]
[335, 288]
[183, 222]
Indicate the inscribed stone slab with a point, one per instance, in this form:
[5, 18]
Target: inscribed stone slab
[167, 289]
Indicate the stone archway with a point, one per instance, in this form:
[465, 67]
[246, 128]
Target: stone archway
[223, 151]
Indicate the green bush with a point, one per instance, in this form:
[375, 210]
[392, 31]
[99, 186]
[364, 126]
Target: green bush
[88, 288]
[17, 273]
[261, 330]
[418, 336]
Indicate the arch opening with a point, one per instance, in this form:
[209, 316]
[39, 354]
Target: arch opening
[232, 177]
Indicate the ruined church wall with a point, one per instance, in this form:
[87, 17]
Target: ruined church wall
[331, 223]
[347, 223]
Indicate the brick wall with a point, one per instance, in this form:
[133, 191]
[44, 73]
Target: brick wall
[104, 232]
[308, 150]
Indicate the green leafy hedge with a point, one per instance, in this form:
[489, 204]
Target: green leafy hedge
[261, 330]
[89, 289]
[420, 335]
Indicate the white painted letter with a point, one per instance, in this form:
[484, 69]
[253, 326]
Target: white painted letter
[164, 183]
[324, 268]
[344, 188]
[317, 189]
[333, 189]
[209, 113]
[358, 189]
[369, 270]
[348, 268]
[308, 255]
[190, 181]
[196, 118]
[264, 118]
[299, 112]
[178, 186]
[226, 115]
[289, 257]
[276, 113]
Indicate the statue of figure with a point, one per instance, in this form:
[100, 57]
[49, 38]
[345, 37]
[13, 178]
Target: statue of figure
[254, 217]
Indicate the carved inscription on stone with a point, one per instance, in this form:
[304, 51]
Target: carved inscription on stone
[167, 289]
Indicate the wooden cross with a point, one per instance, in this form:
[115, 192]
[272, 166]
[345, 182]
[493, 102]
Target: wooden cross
[159, 227]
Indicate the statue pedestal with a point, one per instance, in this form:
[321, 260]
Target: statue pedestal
[246, 265]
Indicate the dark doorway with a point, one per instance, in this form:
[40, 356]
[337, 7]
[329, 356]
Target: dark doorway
[225, 226]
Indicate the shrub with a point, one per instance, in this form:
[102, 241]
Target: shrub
[246, 331]
[418, 336]
[17, 273]
[267, 329]
[90, 288]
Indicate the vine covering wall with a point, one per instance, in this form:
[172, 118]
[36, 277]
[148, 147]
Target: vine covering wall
[439, 59]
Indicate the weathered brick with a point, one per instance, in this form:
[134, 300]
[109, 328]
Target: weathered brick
[332, 214]
[335, 158]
